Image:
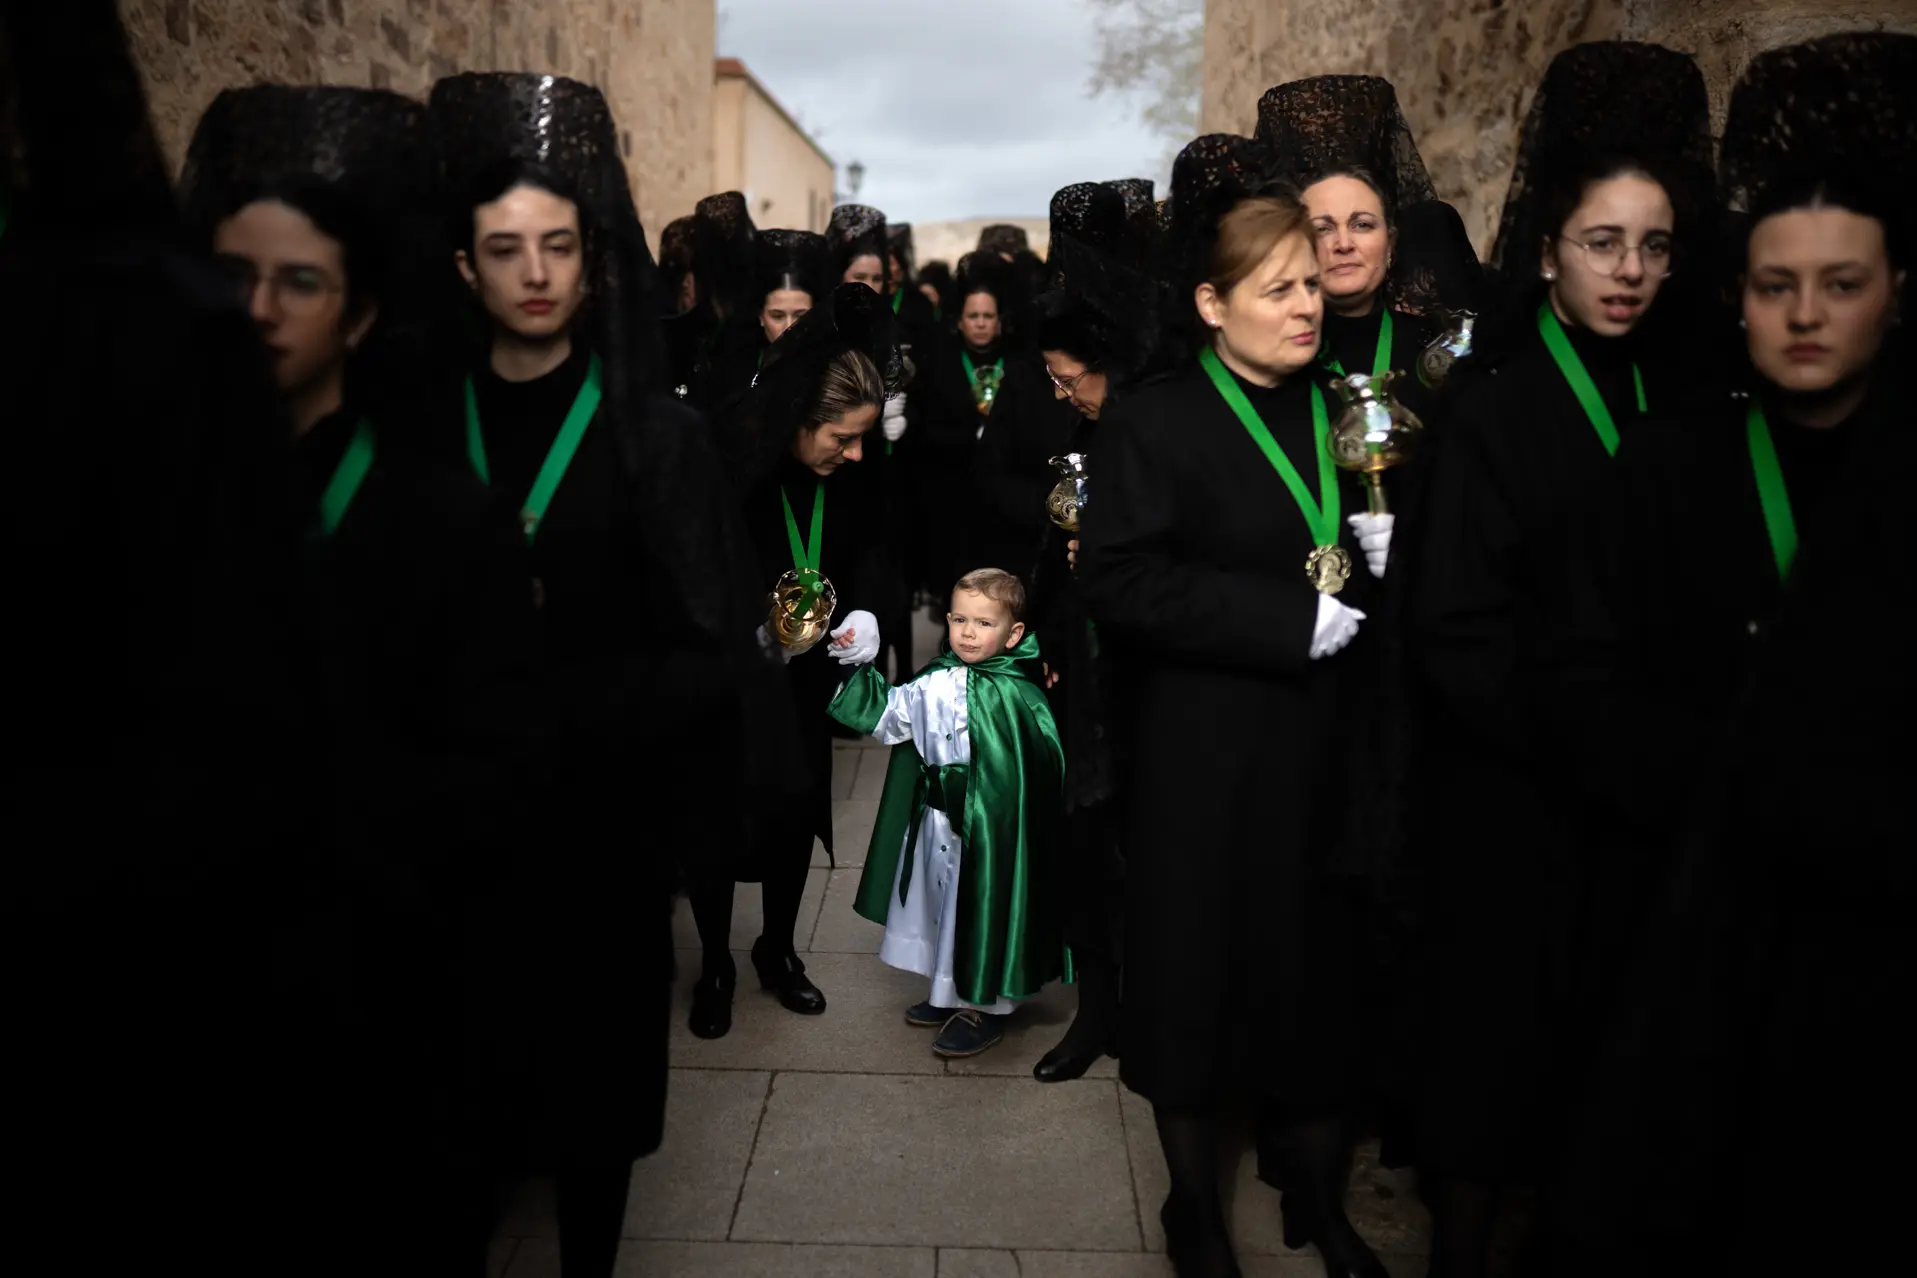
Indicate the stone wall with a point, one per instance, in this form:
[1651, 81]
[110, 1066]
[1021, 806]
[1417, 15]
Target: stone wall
[1465, 70]
[652, 59]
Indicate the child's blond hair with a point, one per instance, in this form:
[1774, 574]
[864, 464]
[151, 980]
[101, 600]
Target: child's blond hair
[999, 586]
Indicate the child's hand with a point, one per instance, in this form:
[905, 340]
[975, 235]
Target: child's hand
[1051, 679]
[1071, 552]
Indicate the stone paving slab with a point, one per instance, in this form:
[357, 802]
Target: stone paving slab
[863, 1029]
[939, 1161]
[839, 929]
[852, 821]
[748, 915]
[772, 1260]
[688, 1189]
[1393, 1222]
[869, 785]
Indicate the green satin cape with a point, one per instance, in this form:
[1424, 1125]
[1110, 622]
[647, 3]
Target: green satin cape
[1010, 941]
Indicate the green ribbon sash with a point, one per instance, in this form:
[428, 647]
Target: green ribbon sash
[584, 405]
[1381, 362]
[1321, 516]
[347, 477]
[972, 376]
[1009, 941]
[1772, 494]
[1579, 379]
[805, 555]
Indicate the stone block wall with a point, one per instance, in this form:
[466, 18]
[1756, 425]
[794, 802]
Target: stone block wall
[1465, 70]
[652, 59]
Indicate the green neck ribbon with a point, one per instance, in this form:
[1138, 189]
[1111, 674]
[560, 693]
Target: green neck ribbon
[972, 376]
[1009, 942]
[1580, 379]
[805, 555]
[1381, 362]
[898, 298]
[558, 457]
[347, 477]
[1772, 494]
[1321, 516]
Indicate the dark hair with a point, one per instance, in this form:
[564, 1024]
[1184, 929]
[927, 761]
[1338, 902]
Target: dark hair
[494, 181]
[1820, 191]
[1573, 182]
[1062, 323]
[1361, 174]
[362, 244]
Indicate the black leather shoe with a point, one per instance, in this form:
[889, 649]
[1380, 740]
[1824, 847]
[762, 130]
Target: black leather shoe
[712, 1002]
[1197, 1249]
[784, 975]
[1067, 1061]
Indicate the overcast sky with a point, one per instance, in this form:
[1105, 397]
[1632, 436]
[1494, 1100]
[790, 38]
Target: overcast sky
[957, 108]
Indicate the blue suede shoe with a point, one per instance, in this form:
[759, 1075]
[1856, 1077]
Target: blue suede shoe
[925, 1016]
[968, 1033]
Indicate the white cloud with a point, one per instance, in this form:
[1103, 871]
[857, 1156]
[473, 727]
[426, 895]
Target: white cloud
[957, 108]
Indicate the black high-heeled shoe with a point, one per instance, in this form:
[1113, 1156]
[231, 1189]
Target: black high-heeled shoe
[784, 975]
[1194, 1249]
[1309, 1222]
[712, 1002]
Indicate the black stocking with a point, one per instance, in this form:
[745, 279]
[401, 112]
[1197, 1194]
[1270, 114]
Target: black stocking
[591, 1206]
[712, 910]
[1195, 1231]
[784, 888]
[1463, 1214]
[1097, 1017]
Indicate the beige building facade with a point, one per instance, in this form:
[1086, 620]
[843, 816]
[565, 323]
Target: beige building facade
[651, 58]
[761, 151]
[1465, 70]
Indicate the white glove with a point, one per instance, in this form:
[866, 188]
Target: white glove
[1374, 537]
[893, 423]
[1337, 626]
[864, 629]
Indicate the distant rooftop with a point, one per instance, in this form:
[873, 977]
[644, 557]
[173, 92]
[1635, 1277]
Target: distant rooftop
[733, 69]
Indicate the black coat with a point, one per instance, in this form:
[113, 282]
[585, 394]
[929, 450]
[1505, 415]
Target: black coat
[1028, 427]
[854, 558]
[1535, 848]
[944, 437]
[1192, 563]
[642, 704]
[1744, 1036]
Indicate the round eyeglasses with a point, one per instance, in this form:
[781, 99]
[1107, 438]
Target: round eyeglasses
[1607, 254]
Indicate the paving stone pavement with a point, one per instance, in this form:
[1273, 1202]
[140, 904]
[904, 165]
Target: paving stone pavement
[841, 1147]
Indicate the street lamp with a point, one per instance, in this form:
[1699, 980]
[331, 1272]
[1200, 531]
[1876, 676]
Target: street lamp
[855, 175]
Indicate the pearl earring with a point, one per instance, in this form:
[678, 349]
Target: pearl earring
[1549, 276]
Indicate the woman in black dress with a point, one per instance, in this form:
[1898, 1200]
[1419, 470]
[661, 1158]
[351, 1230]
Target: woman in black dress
[796, 440]
[416, 610]
[1217, 562]
[645, 642]
[1534, 855]
[1097, 332]
[1746, 1064]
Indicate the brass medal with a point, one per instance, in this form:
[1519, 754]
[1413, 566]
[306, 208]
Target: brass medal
[1328, 568]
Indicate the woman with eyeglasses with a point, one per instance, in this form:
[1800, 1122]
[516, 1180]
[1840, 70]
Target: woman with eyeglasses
[416, 609]
[1536, 856]
[1748, 1065]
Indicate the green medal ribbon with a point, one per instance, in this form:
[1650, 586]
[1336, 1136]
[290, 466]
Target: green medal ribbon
[1381, 362]
[1580, 380]
[558, 457]
[898, 297]
[1772, 494]
[347, 477]
[805, 555]
[971, 374]
[1321, 516]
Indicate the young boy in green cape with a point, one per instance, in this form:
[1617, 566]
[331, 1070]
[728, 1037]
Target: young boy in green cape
[958, 869]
